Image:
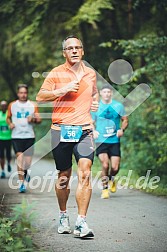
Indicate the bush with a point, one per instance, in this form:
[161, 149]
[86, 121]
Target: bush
[16, 231]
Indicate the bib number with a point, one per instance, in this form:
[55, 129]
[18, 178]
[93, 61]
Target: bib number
[4, 128]
[109, 131]
[70, 133]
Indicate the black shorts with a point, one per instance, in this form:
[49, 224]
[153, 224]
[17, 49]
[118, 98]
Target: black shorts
[5, 146]
[62, 151]
[24, 145]
[112, 149]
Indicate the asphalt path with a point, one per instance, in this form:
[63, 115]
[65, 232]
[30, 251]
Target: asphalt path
[130, 220]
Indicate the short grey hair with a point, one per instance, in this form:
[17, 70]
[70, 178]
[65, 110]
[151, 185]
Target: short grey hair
[71, 36]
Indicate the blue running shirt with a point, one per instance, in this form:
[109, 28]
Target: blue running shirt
[107, 120]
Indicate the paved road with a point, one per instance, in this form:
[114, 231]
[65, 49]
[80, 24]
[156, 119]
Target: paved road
[129, 221]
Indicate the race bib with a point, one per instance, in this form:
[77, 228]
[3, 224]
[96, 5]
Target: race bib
[70, 133]
[4, 128]
[109, 131]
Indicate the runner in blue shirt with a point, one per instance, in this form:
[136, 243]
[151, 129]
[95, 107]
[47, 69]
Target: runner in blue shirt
[107, 136]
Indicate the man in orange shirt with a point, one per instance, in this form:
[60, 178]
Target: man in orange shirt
[72, 88]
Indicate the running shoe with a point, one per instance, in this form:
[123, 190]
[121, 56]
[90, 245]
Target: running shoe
[9, 168]
[3, 175]
[22, 188]
[64, 224]
[112, 186]
[26, 176]
[105, 194]
[82, 230]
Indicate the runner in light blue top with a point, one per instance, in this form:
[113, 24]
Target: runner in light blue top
[110, 123]
[107, 120]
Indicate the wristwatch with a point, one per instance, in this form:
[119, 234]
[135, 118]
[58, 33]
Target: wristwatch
[123, 130]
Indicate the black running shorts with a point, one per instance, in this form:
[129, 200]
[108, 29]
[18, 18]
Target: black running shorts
[5, 146]
[112, 149]
[62, 151]
[24, 145]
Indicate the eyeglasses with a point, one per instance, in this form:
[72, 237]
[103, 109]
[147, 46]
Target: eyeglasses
[71, 48]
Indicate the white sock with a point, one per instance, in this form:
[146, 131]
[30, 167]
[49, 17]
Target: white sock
[63, 212]
[21, 182]
[80, 218]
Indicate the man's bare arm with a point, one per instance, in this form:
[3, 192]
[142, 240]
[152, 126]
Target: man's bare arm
[9, 122]
[48, 96]
[95, 103]
[124, 125]
[34, 118]
[37, 118]
[124, 122]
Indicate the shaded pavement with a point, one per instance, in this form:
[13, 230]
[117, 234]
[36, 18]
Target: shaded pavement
[129, 221]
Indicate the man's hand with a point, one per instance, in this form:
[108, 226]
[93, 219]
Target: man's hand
[120, 133]
[94, 106]
[47, 95]
[73, 86]
[11, 126]
[30, 119]
[95, 134]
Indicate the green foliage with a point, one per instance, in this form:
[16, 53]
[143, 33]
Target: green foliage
[90, 12]
[16, 232]
[151, 125]
[144, 140]
[31, 35]
[152, 48]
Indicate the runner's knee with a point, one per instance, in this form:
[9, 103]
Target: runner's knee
[115, 168]
[84, 173]
[84, 177]
[105, 165]
[63, 178]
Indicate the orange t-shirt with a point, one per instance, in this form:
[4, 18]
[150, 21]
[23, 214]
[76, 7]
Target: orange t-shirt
[72, 108]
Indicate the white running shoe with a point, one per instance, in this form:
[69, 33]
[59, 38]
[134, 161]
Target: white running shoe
[82, 230]
[64, 224]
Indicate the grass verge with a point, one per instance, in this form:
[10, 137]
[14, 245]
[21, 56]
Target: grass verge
[135, 181]
[16, 231]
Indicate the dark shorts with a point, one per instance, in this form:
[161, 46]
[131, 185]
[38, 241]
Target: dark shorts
[24, 145]
[5, 146]
[62, 151]
[111, 149]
